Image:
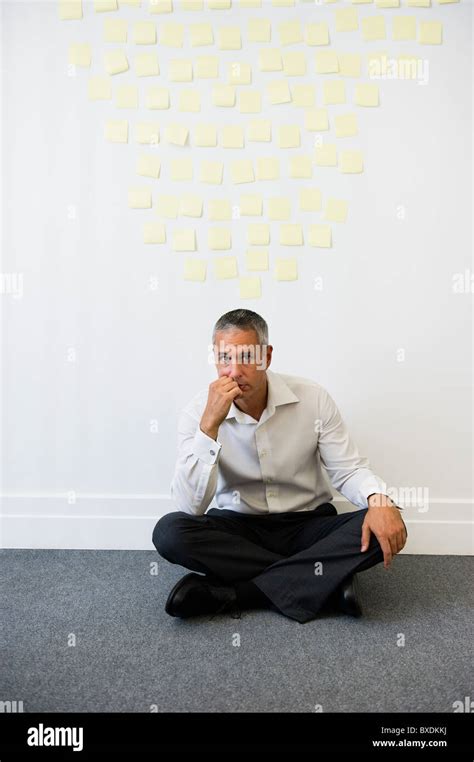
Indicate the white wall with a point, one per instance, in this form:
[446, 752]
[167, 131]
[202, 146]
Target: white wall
[81, 468]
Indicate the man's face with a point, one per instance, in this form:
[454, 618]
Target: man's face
[239, 355]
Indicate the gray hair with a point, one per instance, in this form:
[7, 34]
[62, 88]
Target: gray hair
[243, 319]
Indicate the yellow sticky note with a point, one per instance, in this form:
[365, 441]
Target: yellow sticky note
[291, 235]
[320, 236]
[99, 88]
[301, 166]
[177, 134]
[347, 19]
[269, 59]
[116, 131]
[387, 3]
[239, 73]
[259, 30]
[268, 168]
[303, 95]
[157, 98]
[350, 64]
[223, 95]
[232, 136]
[260, 131]
[180, 70]
[256, 259]
[172, 35]
[144, 33]
[189, 100]
[219, 238]
[115, 61]
[194, 269]
[334, 91]
[373, 28]
[250, 287]
[279, 208]
[70, 10]
[418, 3]
[250, 101]
[191, 5]
[190, 205]
[228, 38]
[219, 209]
[366, 94]
[290, 32]
[326, 62]
[139, 198]
[317, 33]
[336, 210]
[351, 162]
[201, 34]
[286, 269]
[404, 28]
[289, 136]
[225, 267]
[316, 119]
[127, 96]
[184, 240]
[147, 65]
[167, 206]
[115, 30]
[155, 6]
[154, 232]
[212, 172]
[207, 67]
[181, 169]
[326, 155]
[149, 165]
[310, 199]
[258, 233]
[80, 55]
[205, 135]
[431, 33]
[345, 125]
[294, 63]
[147, 132]
[251, 205]
[242, 171]
[278, 91]
[103, 6]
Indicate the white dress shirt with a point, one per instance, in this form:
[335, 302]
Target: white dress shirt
[275, 464]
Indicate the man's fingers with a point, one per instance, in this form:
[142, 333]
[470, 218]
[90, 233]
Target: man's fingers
[387, 552]
[365, 539]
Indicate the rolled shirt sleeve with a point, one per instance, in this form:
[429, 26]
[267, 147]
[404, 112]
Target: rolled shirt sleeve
[194, 481]
[348, 471]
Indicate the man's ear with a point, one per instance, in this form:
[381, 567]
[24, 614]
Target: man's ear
[269, 355]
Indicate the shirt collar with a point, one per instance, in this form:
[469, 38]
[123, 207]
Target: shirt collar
[279, 393]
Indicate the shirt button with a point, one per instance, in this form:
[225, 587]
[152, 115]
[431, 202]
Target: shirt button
[213, 452]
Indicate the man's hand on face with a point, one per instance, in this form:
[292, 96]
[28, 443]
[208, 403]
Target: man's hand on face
[222, 393]
[384, 520]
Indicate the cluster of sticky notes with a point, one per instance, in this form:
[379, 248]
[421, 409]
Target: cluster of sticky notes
[289, 49]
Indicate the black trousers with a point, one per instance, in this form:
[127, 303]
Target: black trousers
[297, 558]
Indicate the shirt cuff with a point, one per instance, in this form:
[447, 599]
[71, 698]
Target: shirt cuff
[206, 448]
[370, 485]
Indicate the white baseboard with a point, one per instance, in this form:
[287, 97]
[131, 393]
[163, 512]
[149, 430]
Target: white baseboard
[125, 522]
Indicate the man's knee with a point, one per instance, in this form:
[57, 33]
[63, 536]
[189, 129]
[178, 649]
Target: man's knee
[169, 532]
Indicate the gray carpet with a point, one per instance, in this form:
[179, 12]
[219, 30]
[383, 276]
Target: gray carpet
[131, 656]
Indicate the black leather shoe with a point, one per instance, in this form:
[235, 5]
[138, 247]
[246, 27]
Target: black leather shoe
[196, 594]
[348, 596]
